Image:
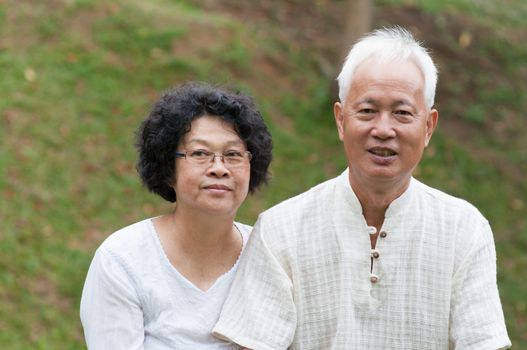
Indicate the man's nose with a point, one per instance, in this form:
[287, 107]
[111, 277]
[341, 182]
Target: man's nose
[384, 127]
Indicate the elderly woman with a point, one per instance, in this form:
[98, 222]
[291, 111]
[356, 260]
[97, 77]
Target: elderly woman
[160, 283]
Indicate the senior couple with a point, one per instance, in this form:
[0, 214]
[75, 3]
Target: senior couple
[372, 259]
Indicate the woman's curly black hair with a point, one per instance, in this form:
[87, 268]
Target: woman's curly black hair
[170, 119]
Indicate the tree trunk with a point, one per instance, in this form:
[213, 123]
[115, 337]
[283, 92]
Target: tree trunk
[357, 22]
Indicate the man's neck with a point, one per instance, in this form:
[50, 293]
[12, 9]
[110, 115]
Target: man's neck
[376, 200]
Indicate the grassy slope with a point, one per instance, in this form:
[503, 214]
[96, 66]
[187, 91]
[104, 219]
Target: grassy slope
[80, 75]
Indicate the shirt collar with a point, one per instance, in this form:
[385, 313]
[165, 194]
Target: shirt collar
[396, 207]
[403, 201]
[346, 190]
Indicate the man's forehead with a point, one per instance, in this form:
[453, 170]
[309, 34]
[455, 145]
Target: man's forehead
[375, 101]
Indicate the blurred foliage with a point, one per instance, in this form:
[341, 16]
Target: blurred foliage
[79, 75]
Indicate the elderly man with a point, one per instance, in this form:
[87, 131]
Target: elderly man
[372, 259]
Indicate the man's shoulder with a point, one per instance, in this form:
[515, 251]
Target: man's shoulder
[307, 200]
[443, 201]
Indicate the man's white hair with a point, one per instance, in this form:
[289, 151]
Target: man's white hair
[392, 43]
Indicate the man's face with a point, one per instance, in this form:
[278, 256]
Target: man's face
[384, 123]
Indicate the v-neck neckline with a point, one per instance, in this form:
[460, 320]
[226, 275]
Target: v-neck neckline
[179, 275]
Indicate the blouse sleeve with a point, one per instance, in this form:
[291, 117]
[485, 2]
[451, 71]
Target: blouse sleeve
[259, 312]
[110, 309]
[476, 320]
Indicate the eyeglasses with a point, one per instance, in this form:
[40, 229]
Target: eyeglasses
[229, 158]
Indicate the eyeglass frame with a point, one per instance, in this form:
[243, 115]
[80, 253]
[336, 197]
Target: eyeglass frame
[213, 156]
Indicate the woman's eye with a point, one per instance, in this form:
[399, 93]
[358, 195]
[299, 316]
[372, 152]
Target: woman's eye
[199, 153]
[233, 154]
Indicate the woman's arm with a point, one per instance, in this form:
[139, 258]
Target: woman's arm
[110, 309]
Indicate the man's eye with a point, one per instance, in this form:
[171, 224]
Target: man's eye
[367, 110]
[403, 115]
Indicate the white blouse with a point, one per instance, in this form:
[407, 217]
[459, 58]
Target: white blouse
[134, 298]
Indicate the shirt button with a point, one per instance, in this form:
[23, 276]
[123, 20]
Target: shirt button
[375, 253]
[383, 234]
[372, 230]
[374, 278]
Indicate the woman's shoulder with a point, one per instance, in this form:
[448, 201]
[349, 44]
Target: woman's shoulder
[132, 238]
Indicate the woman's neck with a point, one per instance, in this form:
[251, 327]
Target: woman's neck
[200, 248]
[206, 231]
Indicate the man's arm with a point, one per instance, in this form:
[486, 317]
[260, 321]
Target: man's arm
[259, 312]
[476, 320]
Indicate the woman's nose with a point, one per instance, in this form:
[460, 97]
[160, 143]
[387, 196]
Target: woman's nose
[217, 166]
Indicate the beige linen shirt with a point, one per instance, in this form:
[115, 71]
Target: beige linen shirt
[305, 278]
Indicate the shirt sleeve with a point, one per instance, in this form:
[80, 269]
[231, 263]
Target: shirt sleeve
[110, 310]
[476, 320]
[259, 312]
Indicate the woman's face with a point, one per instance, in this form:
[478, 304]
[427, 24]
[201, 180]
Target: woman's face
[213, 187]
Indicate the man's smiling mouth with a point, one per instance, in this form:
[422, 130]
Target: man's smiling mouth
[382, 152]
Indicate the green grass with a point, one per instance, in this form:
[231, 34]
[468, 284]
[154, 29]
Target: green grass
[80, 75]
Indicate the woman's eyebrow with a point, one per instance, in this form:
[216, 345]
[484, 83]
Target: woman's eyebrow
[207, 142]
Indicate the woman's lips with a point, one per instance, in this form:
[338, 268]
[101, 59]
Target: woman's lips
[217, 187]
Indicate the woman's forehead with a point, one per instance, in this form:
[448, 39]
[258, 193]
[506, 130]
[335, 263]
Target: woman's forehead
[211, 130]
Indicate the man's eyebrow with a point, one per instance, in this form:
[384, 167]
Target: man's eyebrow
[403, 102]
[366, 100]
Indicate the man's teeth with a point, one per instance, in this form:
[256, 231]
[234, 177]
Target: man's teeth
[383, 152]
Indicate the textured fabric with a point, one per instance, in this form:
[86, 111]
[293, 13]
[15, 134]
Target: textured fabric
[134, 298]
[304, 281]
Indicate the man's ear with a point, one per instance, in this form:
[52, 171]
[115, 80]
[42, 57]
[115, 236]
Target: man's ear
[339, 119]
[431, 124]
